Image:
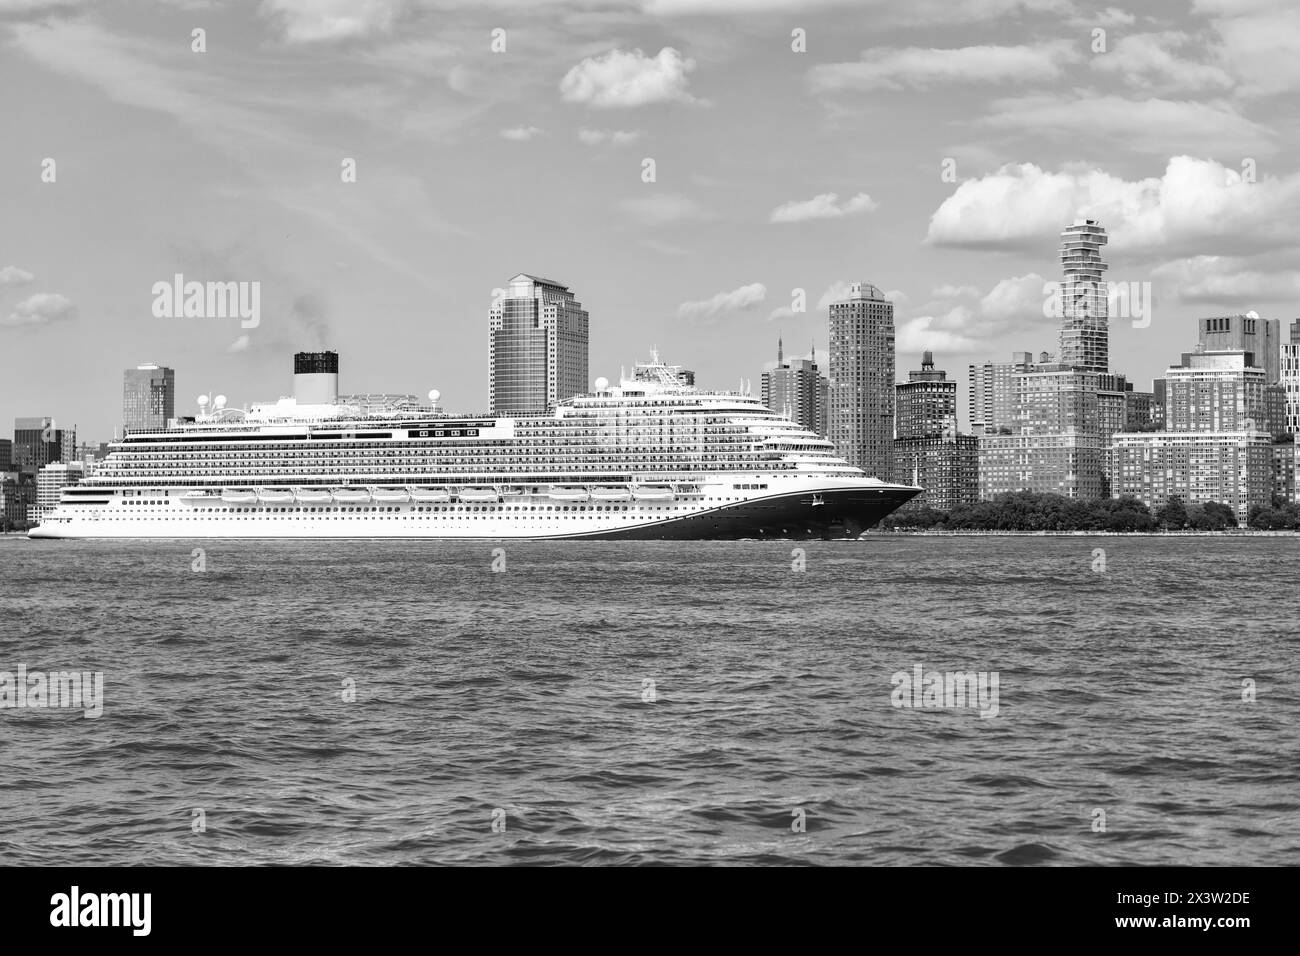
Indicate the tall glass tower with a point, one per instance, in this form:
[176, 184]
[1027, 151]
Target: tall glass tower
[860, 418]
[537, 347]
[1085, 339]
[148, 398]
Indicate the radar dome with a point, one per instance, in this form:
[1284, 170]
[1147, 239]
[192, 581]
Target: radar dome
[219, 401]
[602, 383]
[203, 399]
[434, 395]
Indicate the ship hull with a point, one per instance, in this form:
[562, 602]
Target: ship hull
[814, 511]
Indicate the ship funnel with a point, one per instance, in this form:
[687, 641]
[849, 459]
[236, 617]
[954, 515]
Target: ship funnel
[316, 378]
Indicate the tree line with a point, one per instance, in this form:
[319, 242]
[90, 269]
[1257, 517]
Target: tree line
[1034, 511]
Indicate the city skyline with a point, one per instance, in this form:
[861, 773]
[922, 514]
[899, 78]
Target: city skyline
[466, 169]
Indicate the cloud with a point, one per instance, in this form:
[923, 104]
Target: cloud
[521, 134]
[316, 21]
[621, 79]
[1149, 61]
[662, 208]
[40, 309]
[12, 275]
[1226, 281]
[823, 206]
[1257, 42]
[913, 67]
[925, 332]
[614, 137]
[1197, 206]
[1152, 125]
[737, 300]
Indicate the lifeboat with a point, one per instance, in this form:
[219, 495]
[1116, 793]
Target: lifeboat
[239, 496]
[198, 495]
[426, 495]
[388, 495]
[610, 493]
[350, 496]
[653, 492]
[313, 496]
[478, 493]
[275, 496]
[569, 493]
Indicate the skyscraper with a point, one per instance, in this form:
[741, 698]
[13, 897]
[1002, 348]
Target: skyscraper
[1249, 333]
[537, 348]
[928, 451]
[39, 441]
[861, 390]
[1216, 442]
[148, 398]
[797, 390]
[1084, 305]
[992, 393]
[926, 403]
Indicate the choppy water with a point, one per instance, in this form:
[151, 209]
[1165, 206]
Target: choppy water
[522, 692]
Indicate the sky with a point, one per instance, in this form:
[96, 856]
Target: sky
[704, 174]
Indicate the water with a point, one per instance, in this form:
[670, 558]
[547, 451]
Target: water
[519, 696]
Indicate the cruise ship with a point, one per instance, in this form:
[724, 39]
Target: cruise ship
[650, 458]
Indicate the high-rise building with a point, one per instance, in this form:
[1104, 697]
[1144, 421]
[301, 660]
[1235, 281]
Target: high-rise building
[39, 441]
[1233, 468]
[16, 494]
[1215, 392]
[1216, 439]
[1084, 305]
[50, 482]
[6, 455]
[148, 398]
[860, 418]
[1284, 471]
[992, 393]
[1055, 444]
[797, 390]
[926, 404]
[1289, 378]
[538, 347]
[1247, 333]
[928, 450]
[1084, 298]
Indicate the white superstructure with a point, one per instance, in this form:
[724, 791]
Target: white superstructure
[649, 458]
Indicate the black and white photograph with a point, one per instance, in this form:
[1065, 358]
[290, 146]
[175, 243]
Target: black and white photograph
[841, 434]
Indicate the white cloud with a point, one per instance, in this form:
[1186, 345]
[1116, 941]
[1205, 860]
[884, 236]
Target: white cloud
[628, 79]
[615, 137]
[520, 134]
[662, 208]
[737, 300]
[925, 332]
[1258, 43]
[1013, 300]
[1198, 205]
[12, 275]
[313, 21]
[896, 69]
[823, 206]
[41, 308]
[1150, 61]
[1226, 281]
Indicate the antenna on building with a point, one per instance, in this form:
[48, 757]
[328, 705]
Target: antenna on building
[780, 351]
